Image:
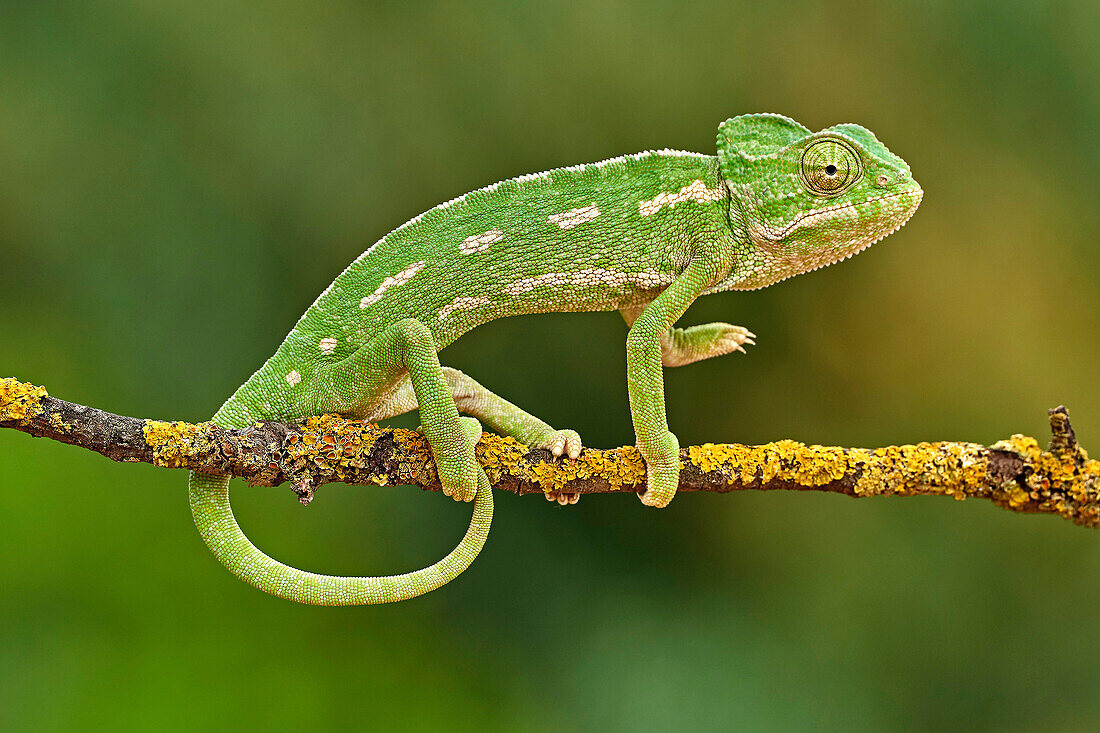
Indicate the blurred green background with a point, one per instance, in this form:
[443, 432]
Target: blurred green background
[178, 181]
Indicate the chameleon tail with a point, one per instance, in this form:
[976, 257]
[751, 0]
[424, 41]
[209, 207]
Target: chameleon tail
[214, 518]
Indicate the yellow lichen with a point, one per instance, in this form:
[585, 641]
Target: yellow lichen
[335, 447]
[1060, 479]
[818, 465]
[20, 401]
[806, 465]
[1065, 482]
[499, 455]
[706, 456]
[1017, 497]
[1063, 479]
[59, 425]
[177, 444]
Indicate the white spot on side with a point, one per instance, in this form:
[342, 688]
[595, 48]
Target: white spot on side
[696, 191]
[480, 242]
[293, 378]
[392, 281]
[570, 219]
[593, 276]
[461, 304]
[327, 345]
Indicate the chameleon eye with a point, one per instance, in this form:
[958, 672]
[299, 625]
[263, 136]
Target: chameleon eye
[829, 166]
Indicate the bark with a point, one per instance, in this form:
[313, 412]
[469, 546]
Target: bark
[1015, 473]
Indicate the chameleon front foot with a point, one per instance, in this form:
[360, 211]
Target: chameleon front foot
[661, 483]
[662, 471]
[683, 346]
[459, 472]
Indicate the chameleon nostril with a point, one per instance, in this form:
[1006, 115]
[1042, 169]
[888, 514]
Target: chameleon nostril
[882, 179]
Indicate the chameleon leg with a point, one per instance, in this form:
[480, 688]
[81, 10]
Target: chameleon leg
[680, 346]
[507, 419]
[497, 413]
[645, 382]
[409, 346]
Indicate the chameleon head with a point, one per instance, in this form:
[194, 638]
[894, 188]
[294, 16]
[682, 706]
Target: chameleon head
[803, 199]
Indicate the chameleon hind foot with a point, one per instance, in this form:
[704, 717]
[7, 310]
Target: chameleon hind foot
[563, 497]
[505, 418]
[561, 442]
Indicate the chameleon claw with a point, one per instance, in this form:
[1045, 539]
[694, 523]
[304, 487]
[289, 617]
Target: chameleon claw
[563, 497]
[562, 442]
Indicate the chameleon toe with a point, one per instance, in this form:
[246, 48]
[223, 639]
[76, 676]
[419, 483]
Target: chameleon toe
[563, 498]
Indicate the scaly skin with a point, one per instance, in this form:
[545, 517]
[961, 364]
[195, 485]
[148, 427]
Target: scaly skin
[645, 234]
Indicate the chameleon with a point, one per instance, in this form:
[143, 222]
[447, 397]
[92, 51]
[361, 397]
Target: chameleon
[645, 234]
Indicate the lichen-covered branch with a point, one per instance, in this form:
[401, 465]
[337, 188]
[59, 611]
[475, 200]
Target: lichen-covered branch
[1014, 473]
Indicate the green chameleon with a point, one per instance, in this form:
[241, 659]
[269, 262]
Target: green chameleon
[644, 234]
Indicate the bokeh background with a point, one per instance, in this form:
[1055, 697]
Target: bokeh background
[179, 180]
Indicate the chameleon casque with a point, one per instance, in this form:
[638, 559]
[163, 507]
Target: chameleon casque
[645, 234]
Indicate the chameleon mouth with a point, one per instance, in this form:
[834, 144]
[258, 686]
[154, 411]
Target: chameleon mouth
[810, 218]
[792, 266]
[854, 248]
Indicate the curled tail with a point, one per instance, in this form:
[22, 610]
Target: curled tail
[214, 518]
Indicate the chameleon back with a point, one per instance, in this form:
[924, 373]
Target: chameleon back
[583, 238]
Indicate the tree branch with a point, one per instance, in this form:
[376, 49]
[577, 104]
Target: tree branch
[1014, 474]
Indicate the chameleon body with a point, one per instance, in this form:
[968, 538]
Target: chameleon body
[645, 234]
